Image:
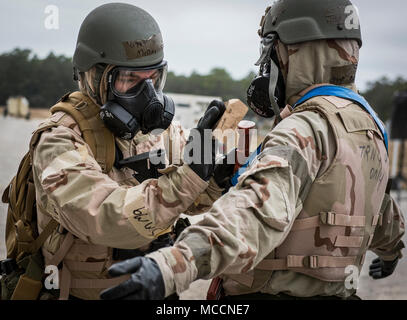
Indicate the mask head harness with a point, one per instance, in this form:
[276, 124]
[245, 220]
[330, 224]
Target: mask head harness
[136, 101]
[266, 93]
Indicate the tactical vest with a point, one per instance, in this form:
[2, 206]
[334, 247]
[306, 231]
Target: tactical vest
[23, 237]
[336, 224]
[102, 144]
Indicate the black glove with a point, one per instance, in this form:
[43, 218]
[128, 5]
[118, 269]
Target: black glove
[223, 171]
[380, 269]
[146, 282]
[162, 241]
[212, 115]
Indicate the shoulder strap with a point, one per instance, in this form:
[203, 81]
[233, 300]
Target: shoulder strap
[86, 114]
[244, 167]
[345, 93]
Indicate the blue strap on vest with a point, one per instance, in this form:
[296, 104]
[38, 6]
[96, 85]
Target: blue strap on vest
[340, 92]
[243, 168]
[348, 94]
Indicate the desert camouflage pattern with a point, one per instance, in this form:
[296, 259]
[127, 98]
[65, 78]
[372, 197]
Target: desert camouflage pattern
[311, 203]
[338, 64]
[98, 211]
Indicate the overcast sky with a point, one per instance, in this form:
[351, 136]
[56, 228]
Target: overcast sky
[200, 35]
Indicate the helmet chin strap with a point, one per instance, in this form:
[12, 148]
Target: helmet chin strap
[272, 88]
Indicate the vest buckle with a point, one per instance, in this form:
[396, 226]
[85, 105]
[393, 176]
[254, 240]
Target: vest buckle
[328, 218]
[313, 262]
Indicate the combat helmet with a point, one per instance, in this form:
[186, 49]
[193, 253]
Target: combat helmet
[299, 21]
[293, 22]
[118, 34]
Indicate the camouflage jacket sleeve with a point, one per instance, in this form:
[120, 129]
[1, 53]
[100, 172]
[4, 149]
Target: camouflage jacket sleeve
[387, 242]
[206, 199]
[254, 217]
[177, 137]
[73, 189]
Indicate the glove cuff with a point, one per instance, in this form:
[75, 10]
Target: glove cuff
[177, 268]
[166, 272]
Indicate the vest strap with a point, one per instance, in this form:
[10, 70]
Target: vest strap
[97, 283]
[56, 258]
[85, 266]
[69, 245]
[331, 219]
[86, 114]
[64, 283]
[49, 228]
[348, 241]
[87, 249]
[312, 262]
[67, 282]
[338, 219]
[234, 180]
[306, 223]
[375, 220]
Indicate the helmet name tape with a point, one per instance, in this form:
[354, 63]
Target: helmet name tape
[142, 48]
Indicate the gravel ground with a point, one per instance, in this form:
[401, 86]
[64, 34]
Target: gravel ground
[14, 138]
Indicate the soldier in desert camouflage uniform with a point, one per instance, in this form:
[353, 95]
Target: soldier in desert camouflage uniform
[105, 214]
[314, 200]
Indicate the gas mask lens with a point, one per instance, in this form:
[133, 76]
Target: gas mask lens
[128, 82]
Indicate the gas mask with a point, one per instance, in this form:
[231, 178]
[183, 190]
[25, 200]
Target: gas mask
[136, 101]
[266, 93]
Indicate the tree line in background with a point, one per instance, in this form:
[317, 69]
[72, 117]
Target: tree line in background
[41, 81]
[44, 81]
